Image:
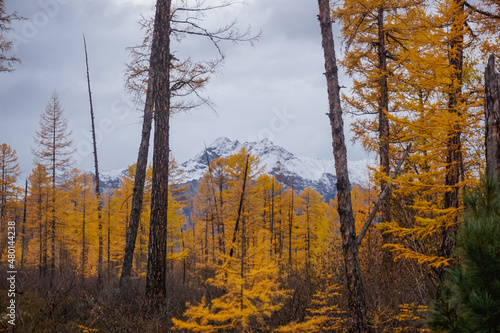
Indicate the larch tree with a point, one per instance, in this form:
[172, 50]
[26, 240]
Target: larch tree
[492, 118]
[81, 226]
[312, 221]
[6, 60]
[375, 32]
[441, 94]
[187, 78]
[246, 276]
[358, 310]
[9, 174]
[37, 205]
[160, 70]
[53, 149]
[123, 197]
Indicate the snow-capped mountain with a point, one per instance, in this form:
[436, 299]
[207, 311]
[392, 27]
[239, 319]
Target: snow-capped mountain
[303, 171]
[111, 178]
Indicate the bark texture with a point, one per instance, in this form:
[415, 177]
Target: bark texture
[356, 295]
[138, 191]
[454, 145]
[159, 66]
[492, 118]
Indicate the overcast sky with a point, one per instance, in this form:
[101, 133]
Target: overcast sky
[274, 89]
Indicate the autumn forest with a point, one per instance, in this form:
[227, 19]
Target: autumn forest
[416, 249]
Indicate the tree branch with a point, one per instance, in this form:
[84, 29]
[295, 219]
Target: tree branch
[480, 11]
[374, 211]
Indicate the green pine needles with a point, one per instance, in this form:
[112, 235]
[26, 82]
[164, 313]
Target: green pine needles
[470, 291]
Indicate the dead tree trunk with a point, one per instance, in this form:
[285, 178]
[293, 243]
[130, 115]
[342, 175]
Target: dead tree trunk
[240, 207]
[159, 67]
[138, 192]
[356, 295]
[96, 166]
[492, 118]
[23, 231]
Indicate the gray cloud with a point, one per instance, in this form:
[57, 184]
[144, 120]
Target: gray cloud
[274, 89]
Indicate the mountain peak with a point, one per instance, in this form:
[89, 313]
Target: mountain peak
[221, 141]
[277, 161]
[301, 171]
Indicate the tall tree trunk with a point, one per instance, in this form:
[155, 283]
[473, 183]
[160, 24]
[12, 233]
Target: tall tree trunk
[356, 294]
[96, 168]
[159, 66]
[23, 230]
[492, 118]
[383, 108]
[454, 145]
[242, 275]
[138, 192]
[290, 224]
[383, 123]
[3, 201]
[40, 233]
[383, 128]
[109, 237]
[53, 208]
[84, 235]
[240, 207]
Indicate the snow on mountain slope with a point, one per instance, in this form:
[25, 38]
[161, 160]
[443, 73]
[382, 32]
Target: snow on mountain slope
[305, 171]
[112, 178]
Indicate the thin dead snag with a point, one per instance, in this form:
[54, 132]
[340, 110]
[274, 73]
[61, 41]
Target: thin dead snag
[356, 295]
[96, 167]
[240, 207]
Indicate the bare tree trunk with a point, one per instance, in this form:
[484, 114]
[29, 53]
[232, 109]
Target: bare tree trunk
[23, 238]
[384, 132]
[53, 208]
[109, 236]
[242, 275]
[159, 66]
[383, 123]
[84, 239]
[240, 207]
[356, 294]
[138, 194]
[40, 232]
[492, 115]
[96, 167]
[290, 224]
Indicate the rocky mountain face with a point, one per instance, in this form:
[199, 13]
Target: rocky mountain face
[288, 168]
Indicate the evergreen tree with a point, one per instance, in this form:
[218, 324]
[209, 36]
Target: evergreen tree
[470, 293]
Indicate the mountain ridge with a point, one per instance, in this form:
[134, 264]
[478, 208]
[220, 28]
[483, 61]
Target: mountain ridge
[318, 174]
